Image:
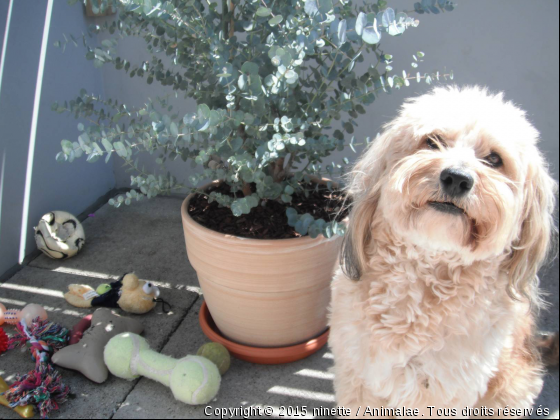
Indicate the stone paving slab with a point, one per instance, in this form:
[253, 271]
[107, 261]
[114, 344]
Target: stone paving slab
[145, 237]
[305, 383]
[33, 285]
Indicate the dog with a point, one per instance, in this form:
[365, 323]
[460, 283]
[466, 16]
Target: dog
[435, 301]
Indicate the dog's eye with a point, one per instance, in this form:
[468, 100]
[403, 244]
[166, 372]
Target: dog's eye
[431, 144]
[434, 142]
[494, 160]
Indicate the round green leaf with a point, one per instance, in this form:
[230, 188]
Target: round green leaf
[325, 6]
[275, 20]
[361, 23]
[371, 35]
[264, 12]
[311, 7]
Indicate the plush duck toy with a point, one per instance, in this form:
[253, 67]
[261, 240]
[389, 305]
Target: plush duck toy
[128, 293]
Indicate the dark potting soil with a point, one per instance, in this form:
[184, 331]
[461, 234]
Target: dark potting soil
[268, 220]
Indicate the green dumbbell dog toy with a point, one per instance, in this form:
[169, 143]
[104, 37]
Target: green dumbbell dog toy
[193, 380]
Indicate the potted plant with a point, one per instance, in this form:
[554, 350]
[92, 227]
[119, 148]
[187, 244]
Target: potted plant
[277, 83]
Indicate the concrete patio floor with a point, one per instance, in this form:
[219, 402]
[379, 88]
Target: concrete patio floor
[148, 238]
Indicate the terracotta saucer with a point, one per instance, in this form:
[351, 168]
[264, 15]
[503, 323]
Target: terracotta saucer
[260, 355]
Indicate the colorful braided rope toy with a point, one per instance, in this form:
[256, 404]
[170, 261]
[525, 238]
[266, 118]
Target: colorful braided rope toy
[193, 380]
[24, 411]
[43, 386]
[29, 313]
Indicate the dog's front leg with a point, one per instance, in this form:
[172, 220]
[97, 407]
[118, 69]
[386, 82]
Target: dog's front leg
[354, 399]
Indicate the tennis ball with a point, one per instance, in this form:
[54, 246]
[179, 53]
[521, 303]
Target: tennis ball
[195, 380]
[119, 352]
[216, 353]
[103, 288]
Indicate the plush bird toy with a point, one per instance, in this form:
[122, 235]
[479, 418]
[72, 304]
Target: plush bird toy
[128, 293]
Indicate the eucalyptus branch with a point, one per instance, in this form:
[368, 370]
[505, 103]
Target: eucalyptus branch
[232, 21]
[268, 78]
[225, 22]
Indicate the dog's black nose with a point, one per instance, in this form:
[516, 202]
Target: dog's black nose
[456, 182]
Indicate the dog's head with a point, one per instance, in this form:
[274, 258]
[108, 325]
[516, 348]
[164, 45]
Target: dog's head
[457, 171]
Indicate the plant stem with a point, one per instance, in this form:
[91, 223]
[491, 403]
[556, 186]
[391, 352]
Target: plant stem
[224, 20]
[290, 162]
[278, 170]
[247, 191]
[232, 21]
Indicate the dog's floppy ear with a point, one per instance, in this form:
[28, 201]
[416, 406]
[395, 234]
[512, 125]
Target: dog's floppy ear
[534, 241]
[363, 189]
[353, 257]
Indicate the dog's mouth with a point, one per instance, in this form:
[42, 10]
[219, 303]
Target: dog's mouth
[446, 207]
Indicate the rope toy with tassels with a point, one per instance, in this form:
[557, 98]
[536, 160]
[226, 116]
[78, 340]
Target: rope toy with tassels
[43, 386]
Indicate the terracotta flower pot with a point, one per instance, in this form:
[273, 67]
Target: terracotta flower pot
[263, 293]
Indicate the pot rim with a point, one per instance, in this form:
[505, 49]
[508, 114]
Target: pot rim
[302, 240]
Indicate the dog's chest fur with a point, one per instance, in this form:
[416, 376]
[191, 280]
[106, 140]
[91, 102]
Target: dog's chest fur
[423, 328]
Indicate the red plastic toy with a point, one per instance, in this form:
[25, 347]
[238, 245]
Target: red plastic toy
[3, 341]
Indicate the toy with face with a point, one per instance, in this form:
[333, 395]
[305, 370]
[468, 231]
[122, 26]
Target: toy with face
[59, 235]
[137, 296]
[128, 293]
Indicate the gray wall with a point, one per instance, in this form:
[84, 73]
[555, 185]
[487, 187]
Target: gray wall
[506, 45]
[135, 92]
[70, 187]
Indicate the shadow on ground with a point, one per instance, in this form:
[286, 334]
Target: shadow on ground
[147, 238]
[306, 383]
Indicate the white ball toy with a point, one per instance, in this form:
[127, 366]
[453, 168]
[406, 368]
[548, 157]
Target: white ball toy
[59, 235]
